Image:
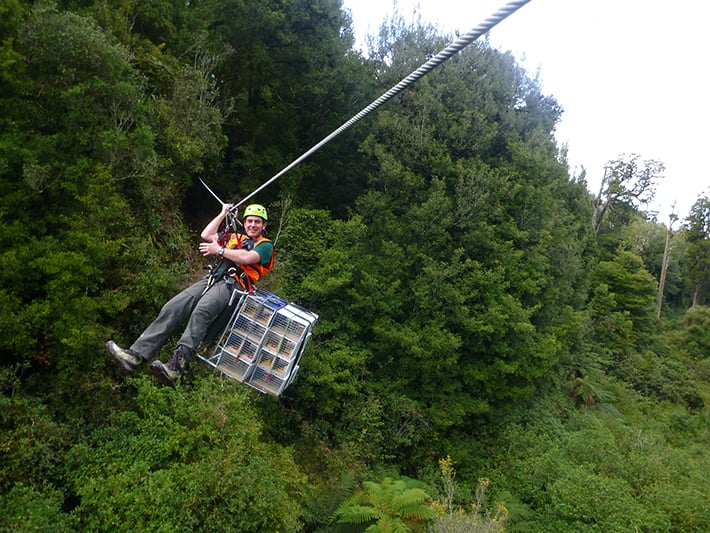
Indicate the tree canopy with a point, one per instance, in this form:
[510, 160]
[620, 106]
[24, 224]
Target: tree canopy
[476, 301]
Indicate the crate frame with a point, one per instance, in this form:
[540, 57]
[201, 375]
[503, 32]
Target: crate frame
[263, 377]
[259, 339]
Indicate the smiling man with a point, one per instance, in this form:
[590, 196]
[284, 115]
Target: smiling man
[240, 258]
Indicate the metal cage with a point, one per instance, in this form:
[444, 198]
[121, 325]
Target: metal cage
[263, 342]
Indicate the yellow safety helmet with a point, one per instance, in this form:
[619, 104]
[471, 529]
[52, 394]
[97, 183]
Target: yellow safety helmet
[255, 210]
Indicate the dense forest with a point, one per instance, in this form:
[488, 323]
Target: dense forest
[498, 347]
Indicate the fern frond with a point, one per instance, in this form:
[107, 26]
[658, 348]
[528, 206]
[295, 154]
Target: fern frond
[357, 514]
[410, 497]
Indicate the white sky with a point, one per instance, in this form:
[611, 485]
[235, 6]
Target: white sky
[631, 75]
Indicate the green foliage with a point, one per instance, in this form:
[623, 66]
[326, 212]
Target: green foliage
[694, 337]
[584, 501]
[191, 116]
[453, 519]
[465, 254]
[85, 185]
[292, 80]
[627, 181]
[698, 252]
[32, 442]
[396, 505]
[611, 327]
[321, 276]
[633, 290]
[466, 308]
[184, 462]
[596, 472]
[27, 509]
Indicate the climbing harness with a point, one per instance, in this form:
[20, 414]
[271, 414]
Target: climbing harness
[265, 337]
[244, 275]
[227, 238]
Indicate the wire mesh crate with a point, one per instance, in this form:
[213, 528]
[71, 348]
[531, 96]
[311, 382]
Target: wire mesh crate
[264, 381]
[238, 347]
[263, 342]
[281, 349]
[235, 367]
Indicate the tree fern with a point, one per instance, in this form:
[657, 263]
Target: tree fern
[393, 505]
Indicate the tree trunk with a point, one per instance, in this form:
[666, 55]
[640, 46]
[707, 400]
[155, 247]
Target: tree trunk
[664, 267]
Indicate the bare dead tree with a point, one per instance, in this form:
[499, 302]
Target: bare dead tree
[626, 179]
[664, 265]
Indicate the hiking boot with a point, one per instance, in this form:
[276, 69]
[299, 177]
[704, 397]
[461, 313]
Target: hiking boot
[168, 373]
[164, 374]
[129, 360]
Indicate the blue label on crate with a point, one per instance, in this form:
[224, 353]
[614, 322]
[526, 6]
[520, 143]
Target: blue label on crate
[271, 299]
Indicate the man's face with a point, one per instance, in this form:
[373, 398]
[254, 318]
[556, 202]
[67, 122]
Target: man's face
[254, 226]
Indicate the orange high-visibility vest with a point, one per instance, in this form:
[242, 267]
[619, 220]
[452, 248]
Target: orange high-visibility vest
[257, 270]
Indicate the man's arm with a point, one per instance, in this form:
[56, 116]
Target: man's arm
[235, 254]
[211, 229]
[241, 257]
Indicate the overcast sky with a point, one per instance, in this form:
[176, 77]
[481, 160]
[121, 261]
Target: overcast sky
[631, 76]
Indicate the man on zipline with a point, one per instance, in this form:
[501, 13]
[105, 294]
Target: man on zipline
[241, 259]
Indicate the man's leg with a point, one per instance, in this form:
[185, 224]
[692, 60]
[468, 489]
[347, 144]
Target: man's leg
[207, 309]
[173, 315]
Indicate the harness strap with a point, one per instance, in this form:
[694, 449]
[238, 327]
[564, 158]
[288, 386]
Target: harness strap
[249, 287]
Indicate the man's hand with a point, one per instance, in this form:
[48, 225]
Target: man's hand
[210, 247]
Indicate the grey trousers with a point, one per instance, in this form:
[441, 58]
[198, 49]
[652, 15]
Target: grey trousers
[190, 306]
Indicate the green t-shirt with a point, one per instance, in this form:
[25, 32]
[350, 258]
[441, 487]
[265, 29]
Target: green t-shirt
[265, 249]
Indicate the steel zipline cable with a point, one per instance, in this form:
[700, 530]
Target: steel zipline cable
[456, 46]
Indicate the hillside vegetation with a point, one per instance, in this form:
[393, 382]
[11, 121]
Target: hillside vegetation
[492, 352]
